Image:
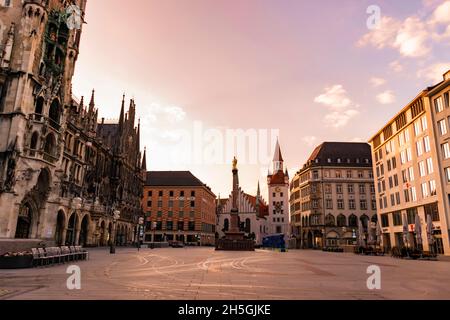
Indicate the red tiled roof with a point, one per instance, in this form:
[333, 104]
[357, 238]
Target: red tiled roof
[263, 208]
[277, 178]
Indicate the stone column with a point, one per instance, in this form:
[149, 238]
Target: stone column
[63, 235]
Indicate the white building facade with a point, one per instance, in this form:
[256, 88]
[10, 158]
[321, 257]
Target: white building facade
[278, 187]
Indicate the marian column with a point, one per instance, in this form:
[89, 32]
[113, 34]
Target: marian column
[234, 215]
[234, 239]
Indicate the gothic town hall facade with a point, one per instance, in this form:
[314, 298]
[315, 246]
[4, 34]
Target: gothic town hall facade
[63, 173]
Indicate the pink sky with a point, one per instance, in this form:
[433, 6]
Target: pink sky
[311, 70]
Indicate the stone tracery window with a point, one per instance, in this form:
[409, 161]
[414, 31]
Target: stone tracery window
[341, 221]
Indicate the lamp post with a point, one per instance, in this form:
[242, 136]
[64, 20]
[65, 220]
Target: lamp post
[154, 224]
[116, 216]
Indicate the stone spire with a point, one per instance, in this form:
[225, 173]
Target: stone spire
[132, 114]
[277, 159]
[81, 106]
[144, 160]
[138, 138]
[258, 199]
[92, 102]
[122, 115]
[258, 192]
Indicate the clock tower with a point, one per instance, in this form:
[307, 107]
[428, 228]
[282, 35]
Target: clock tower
[278, 186]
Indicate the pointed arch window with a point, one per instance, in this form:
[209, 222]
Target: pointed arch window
[55, 114]
[330, 221]
[39, 108]
[341, 221]
[353, 221]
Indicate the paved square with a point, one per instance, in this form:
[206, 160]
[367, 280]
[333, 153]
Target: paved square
[202, 273]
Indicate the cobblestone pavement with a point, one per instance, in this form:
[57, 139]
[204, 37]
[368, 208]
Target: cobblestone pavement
[202, 273]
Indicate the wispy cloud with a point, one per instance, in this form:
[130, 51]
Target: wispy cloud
[310, 140]
[377, 82]
[341, 108]
[337, 119]
[335, 97]
[171, 114]
[396, 66]
[386, 97]
[434, 72]
[413, 37]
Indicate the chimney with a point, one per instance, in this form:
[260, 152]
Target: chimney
[447, 75]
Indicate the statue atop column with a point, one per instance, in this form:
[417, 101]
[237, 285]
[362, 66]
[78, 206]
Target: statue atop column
[235, 239]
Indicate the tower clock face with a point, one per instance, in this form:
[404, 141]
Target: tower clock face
[277, 189]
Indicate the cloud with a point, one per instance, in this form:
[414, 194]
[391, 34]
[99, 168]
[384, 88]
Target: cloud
[386, 97]
[337, 119]
[335, 97]
[441, 14]
[396, 66]
[171, 114]
[309, 140]
[412, 38]
[376, 82]
[341, 108]
[434, 72]
[415, 36]
[383, 36]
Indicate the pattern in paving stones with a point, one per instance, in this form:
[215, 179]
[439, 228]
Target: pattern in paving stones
[202, 273]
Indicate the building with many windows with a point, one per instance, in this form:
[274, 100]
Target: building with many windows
[62, 174]
[411, 156]
[180, 207]
[330, 193]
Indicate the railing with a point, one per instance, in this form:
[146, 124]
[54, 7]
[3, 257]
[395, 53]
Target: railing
[54, 124]
[37, 117]
[40, 118]
[49, 158]
[33, 153]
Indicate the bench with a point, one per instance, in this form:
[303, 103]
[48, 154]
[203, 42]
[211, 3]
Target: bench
[58, 255]
[84, 255]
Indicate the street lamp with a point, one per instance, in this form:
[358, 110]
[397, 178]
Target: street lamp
[116, 216]
[154, 224]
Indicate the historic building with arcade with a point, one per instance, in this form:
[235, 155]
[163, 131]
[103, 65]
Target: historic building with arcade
[63, 173]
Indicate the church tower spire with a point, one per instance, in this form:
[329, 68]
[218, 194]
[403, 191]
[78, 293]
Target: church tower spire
[278, 159]
[258, 199]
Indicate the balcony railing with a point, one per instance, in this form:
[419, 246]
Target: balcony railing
[37, 117]
[49, 158]
[41, 119]
[54, 124]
